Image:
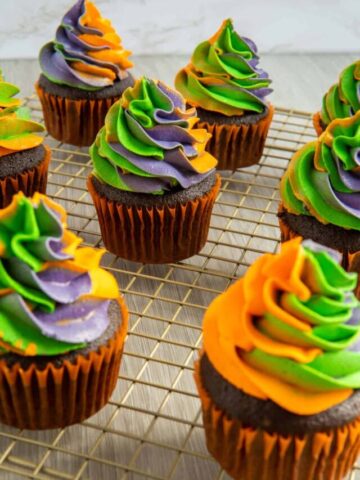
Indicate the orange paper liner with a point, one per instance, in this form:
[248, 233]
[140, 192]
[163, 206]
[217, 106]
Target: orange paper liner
[317, 123]
[73, 121]
[287, 234]
[248, 453]
[236, 146]
[57, 397]
[154, 234]
[354, 266]
[29, 181]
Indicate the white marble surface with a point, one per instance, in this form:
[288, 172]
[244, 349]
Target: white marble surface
[173, 26]
[299, 81]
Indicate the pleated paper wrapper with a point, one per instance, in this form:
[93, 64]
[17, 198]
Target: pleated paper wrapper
[155, 234]
[55, 397]
[76, 122]
[29, 181]
[247, 453]
[236, 146]
[354, 266]
[287, 234]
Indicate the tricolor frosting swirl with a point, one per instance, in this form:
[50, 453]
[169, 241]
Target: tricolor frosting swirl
[54, 297]
[8, 104]
[17, 130]
[223, 75]
[148, 143]
[323, 178]
[87, 52]
[289, 330]
[343, 99]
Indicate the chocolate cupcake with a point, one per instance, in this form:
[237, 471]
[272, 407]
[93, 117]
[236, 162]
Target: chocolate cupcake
[228, 89]
[278, 376]
[62, 320]
[153, 185]
[320, 190]
[24, 160]
[84, 71]
[342, 100]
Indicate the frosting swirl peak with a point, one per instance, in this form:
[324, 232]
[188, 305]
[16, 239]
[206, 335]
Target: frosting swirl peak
[289, 330]
[343, 99]
[8, 104]
[17, 130]
[54, 297]
[148, 143]
[87, 52]
[323, 177]
[223, 75]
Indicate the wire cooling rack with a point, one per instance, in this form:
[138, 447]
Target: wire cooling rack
[152, 428]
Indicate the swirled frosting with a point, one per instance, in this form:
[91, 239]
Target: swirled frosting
[223, 75]
[343, 99]
[148, 143]
[288, 330]
[54, 297]
[17, 130]
[87, 52]
[323, 178]
[8, 104]
[17, 133]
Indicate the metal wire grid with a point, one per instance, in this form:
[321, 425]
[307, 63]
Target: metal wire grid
[152, 428]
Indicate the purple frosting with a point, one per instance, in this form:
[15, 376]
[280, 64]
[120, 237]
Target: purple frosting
[168, 131]
[54, 298]
[56, 57]
[80, 322]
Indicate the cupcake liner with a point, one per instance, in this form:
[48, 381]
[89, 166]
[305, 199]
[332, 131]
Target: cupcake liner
[354, 266]
[55, 397]
[235, 146]
[287, 234]
[248, 453]
[29, 181]
[317, 123]
[155, 234]
[73, 121]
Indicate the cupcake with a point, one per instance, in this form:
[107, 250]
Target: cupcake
[153, 184]
[342, 100]
[278, 376]
[24, 160]
[84, 71]
[62, 320]
[228, 89]
[320, 190]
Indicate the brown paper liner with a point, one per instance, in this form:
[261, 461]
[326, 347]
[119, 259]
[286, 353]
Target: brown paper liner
[73, 121]
[287, 234]
[317, 123]
[248, 453]
[57, 397]
[29, 181]
[154, 234]
[235, 146]
[354, 266]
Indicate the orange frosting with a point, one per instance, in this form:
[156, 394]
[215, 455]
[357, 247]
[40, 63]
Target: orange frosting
[113, 50]
[229, 329]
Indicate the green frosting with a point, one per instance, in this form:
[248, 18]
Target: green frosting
[29, 237]
[148, 145]
[333, 313]
[223, 75]
[16, 128]
[8, 104]
[323, 179]
[343, 99]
